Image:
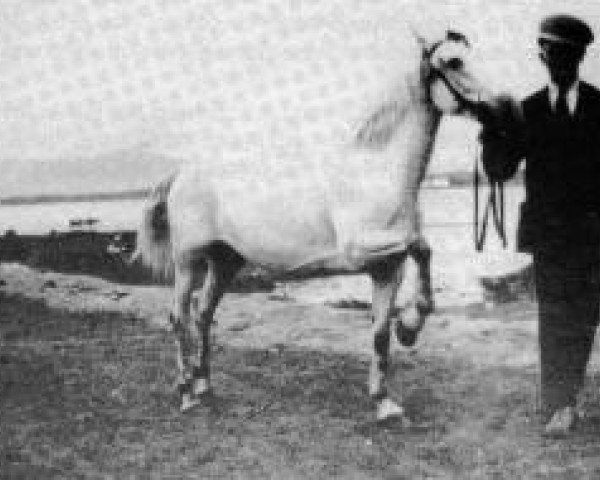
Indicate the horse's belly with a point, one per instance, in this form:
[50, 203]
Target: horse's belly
[281, 253]
[278, 233]
[309, 251]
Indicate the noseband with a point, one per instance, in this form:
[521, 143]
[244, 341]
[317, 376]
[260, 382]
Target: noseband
[437, 73]
[463, 102]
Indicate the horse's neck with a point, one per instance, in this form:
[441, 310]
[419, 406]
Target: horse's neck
[403, 130]
[417, 146]
[400, 137]
[411, 145]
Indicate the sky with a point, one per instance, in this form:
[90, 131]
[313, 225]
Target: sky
[100, 95]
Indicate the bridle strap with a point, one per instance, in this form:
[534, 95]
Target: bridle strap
[465, 102]
[494, 204]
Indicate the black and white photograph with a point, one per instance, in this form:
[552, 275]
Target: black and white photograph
[299, 239]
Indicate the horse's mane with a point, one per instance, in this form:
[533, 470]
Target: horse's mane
[379, 128]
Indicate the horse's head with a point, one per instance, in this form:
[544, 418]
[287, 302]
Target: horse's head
[446, 76]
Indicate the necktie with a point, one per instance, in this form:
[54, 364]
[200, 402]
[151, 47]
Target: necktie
[562, 108]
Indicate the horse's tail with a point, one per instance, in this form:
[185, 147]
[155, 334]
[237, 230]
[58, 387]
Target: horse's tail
[153, 243]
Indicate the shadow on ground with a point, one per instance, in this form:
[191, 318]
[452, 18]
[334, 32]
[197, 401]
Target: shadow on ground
[92, 395]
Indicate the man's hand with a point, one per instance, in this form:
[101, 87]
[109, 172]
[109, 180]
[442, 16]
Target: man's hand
[504, 113]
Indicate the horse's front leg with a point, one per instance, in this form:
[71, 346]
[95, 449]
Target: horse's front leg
[386, 279]
[417, 311]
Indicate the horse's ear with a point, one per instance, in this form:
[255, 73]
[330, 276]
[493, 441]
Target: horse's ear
[422, 42]
[456, 36]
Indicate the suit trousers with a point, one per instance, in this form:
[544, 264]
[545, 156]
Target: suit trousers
[567, 287]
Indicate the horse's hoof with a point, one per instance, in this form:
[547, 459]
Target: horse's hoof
[406, 336]
[188, 402]
[201, 387]
[388, 409]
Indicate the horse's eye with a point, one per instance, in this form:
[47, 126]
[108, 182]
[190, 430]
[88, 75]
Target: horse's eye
[454, 63]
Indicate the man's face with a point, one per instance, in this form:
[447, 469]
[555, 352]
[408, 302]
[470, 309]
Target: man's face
[562, 61]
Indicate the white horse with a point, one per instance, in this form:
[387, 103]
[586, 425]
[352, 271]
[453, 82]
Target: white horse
[354, 210]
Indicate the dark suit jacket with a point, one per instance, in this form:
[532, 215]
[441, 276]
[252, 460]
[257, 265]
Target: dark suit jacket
[562, 170]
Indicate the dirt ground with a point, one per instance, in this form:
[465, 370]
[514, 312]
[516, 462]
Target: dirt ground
[87, 372]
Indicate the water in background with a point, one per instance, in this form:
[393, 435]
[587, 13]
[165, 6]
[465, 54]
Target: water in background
[447, 216]
[41, 218]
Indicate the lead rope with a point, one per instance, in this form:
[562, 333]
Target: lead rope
[495, 204]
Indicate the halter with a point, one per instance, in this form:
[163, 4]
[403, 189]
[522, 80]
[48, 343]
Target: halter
[463, 101]
[438, 73]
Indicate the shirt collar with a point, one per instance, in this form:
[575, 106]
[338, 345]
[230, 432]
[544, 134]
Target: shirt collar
[572, 95]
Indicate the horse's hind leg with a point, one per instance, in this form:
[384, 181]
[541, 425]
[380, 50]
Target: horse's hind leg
[222, 264]
[185, 329]
[193, 332]
[386, 278]
[416, 312]
[220, 272]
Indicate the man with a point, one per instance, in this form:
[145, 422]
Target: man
[558, 135]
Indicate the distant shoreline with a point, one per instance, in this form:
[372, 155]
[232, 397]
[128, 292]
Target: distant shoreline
[79, 197]
[454, 180]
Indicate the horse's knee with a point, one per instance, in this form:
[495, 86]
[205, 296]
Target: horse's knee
[411, 322]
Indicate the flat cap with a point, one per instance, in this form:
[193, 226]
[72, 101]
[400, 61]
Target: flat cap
[566, 29]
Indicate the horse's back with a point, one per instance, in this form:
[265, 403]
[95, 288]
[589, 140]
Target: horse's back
[276, 222]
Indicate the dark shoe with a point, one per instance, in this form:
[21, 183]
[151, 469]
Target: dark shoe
[561, 424]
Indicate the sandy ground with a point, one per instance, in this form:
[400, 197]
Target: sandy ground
[87, 362]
